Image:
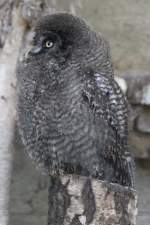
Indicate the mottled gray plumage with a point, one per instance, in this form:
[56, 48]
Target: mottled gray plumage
[72, 115]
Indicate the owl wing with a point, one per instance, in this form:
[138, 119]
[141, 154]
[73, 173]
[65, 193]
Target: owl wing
[107, 101]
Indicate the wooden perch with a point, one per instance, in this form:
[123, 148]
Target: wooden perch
[76, 200]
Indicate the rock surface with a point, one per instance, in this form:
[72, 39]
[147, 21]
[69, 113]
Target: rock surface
[138, 87]
[138, 95]
[143, 122]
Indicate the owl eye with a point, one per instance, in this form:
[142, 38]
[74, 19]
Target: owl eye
[49, 44]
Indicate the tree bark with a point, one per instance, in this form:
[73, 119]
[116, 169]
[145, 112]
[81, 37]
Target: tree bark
[76, 200]
[73, 200]
[8, 60]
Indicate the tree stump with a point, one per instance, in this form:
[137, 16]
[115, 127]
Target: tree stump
[76, 200]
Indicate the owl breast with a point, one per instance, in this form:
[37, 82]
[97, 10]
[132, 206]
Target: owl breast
[62, 130]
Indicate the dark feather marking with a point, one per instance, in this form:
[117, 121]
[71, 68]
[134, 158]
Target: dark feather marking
[88, 201]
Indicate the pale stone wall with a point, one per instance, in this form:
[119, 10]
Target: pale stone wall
[126, 25]
[138, 94]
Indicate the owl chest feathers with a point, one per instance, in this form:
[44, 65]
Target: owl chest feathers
[63, 122]
[62, 107]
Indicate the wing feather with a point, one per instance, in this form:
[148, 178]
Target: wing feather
[108, 102]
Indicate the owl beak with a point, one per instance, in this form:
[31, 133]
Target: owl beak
[35, 50]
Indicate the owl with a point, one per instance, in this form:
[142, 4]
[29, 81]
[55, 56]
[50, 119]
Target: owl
[72, 115]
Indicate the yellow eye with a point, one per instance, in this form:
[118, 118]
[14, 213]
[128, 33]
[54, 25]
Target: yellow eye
[49, 44]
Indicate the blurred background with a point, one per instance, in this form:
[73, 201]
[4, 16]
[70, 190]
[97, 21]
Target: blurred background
[126, 25]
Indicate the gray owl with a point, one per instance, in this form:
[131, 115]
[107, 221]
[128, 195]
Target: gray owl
[72, 115]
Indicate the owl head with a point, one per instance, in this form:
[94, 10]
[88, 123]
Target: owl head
[62, 40]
